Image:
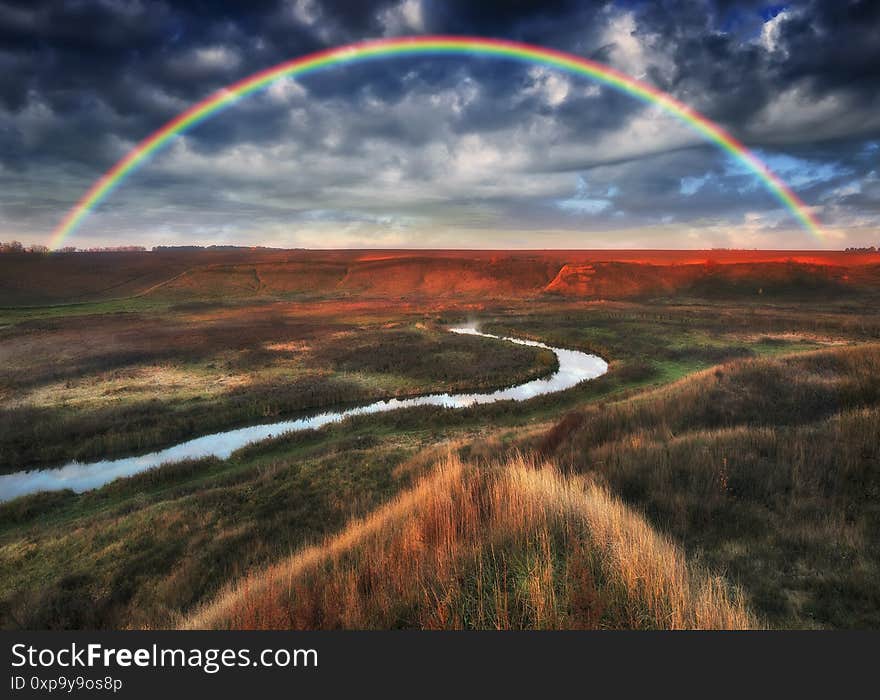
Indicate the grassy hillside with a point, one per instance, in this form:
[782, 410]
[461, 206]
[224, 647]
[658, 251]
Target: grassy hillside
[768, 470]
[180, 275]
[509, 546]
[517, 277]
[737, 423]
[761, 470]
[140, 551]
[28, 280]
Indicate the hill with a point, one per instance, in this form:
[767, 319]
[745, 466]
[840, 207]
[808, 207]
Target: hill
[763, 469]
[736, 430]
[508, 546]
[32, 280]
[767, 469]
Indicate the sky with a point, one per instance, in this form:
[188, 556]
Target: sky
[450, 152]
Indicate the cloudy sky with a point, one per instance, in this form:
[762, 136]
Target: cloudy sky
[441, 152]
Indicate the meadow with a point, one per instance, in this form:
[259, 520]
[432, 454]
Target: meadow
[723, 473]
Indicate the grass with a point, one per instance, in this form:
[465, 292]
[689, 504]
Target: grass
[159, 380]
[736, 466]
[140, 550]
[508, 546]
[152, 405]
[70, 562]
[764, 469]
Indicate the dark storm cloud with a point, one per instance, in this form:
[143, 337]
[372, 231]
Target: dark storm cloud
[822, 49]
[427, 143]
[850, 57]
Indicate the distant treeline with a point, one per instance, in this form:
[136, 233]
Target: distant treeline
[36, 248]
[17, 247]
[157, 248]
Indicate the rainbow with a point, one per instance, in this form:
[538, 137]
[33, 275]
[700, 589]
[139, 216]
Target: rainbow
[421, 46]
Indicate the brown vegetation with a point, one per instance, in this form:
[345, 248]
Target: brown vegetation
[515, 545]
[762, 470]
[164, 382]
[27, 280]
[766, 469]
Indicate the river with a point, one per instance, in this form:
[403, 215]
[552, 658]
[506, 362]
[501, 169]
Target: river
[574, 368]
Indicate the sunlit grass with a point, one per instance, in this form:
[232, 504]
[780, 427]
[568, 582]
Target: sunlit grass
[512, 545]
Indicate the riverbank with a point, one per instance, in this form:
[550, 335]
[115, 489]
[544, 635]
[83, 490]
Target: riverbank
[572, 368]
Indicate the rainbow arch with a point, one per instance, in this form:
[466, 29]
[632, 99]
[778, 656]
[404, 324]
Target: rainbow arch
[431, 45]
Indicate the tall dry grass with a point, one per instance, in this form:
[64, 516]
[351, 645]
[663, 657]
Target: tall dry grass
[513, 545]
[766, 469]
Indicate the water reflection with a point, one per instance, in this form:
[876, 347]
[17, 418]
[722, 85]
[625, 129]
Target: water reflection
[574, 367]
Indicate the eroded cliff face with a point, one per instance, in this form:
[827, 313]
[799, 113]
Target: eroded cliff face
[471, 275]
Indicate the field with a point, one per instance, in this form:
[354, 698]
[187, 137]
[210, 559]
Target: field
[724, 473]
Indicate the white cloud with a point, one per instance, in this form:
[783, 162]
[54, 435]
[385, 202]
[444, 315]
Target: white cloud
[369, 170]
[632, 51]
[650, 131]
[205, 59]
[849, 189]
[304, 12]
[310, 14]
[584, 206]
[403, 18]
[770, 33]
[588, 199]
[691, 185]
[286, 90]
[550, 85]
[221, 57]
[798, 110]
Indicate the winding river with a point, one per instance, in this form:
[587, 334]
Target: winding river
[574, 368]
